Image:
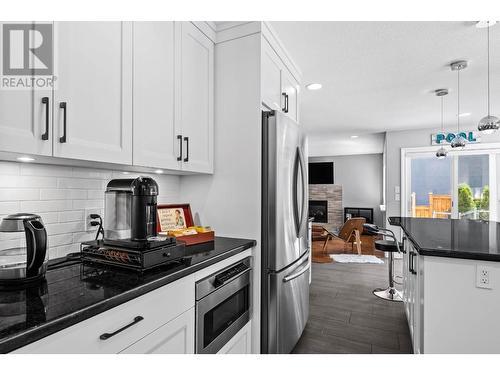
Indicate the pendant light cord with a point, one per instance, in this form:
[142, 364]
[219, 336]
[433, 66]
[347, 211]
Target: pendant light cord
[488, 33]
[458, 101]
[442, 118]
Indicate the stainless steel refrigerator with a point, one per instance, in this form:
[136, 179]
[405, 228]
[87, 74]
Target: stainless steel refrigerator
[285, 254]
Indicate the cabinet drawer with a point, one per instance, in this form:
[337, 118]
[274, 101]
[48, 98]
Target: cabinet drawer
[175, 337]
[156, 308]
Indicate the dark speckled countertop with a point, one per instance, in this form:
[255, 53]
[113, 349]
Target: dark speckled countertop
[466, 239]
[76, 292]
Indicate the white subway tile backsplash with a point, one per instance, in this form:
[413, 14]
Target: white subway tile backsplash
[60, 239]
[8, 208]
[9, 168]
[78, 183]
[48, 194]
[67, 216]
[95, 194]
[19, 194]
[45, 170]
[48, 206]
[82, 204]
[71, 227]
[10, 181]
[64, 196]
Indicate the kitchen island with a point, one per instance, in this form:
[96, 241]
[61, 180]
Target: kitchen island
[78, 302]
[451, 284]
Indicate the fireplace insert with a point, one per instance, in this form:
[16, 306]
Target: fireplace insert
[319, 211]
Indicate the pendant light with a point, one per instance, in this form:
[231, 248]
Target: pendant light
[441, 152]
[488, 124]
[458, 141]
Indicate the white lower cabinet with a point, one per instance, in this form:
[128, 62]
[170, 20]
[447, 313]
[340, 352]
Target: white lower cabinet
[413, 294]
[241, 343]
[151, 312]
[175, 337]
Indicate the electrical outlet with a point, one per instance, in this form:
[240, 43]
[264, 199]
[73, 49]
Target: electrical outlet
[88, 212]
[483, 277]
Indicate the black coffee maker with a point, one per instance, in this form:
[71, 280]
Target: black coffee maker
[130, 210]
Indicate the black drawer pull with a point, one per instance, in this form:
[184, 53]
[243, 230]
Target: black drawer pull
[285, 102]
[179, 158]
[45, 136]
[106, 336]
[63, 106]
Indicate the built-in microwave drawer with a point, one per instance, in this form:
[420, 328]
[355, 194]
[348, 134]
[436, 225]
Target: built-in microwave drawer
[116, 329]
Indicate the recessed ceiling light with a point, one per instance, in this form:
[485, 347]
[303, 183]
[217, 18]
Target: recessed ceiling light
[483, 24]
[354, 136]
[314, 86]
[126, 172]
[25, 159]
[159, 171]
[465, 114]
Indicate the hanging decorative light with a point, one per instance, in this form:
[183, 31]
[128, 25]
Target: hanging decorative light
[458, 141]
[441, 152]
[488, 124]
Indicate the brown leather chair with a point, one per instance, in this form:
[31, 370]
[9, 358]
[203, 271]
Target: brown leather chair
[350, 233]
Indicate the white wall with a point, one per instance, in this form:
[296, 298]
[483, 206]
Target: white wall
[63, 196]
[230, 200]
[409, 138]
[361, 180]
[332, 144]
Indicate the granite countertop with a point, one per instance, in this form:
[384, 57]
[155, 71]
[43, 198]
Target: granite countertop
[452, 238]
[75, 292]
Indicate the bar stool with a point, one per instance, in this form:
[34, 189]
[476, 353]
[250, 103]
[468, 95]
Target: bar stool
[391, 246]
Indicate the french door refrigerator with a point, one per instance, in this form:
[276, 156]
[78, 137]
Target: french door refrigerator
[285, 254]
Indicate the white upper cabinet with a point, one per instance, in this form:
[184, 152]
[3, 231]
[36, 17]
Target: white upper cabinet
[93, 98]
[289, 88]
[271, 78]
[25, 119]
[155, 128]
[195, 87]
[279, 87]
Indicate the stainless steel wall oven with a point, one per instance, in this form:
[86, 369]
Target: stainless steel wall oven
[223, 303]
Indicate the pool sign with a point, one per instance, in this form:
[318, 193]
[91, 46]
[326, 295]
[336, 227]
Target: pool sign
[446, 138]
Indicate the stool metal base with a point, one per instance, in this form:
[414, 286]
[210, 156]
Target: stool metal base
[389, 294]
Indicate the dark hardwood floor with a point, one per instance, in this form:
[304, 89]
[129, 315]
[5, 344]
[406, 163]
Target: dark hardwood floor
[345, 317]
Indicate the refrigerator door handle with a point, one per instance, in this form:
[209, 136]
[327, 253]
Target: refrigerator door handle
[304, 191]
[294, 275]
[299, 216]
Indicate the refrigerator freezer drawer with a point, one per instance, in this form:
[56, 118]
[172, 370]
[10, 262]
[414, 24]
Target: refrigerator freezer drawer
[289, 306]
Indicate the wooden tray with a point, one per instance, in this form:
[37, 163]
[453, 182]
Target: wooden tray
[191, 239]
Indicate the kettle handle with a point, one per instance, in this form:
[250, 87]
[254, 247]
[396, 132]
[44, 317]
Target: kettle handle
[36, 246]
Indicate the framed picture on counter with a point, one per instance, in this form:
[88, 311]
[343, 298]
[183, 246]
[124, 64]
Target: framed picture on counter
[172, 217]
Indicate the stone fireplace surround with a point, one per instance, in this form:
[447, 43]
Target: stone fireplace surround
[332, 194]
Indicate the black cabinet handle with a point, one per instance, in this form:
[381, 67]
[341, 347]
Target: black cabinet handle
[45, 136]
[106, 336]
[63, 106]
[285, 108]
[410, 266]
[187, 148]
[179, 158]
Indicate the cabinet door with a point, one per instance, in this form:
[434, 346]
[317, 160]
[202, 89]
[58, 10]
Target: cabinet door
[290, 88]
[94, 65]
[23, 119]
[271, 78]
[175, 337]
[196, 98]
[154, 127]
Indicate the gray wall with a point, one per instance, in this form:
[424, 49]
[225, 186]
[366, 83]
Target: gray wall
[361, 180]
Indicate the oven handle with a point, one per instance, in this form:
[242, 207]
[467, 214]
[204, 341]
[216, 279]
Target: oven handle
[297, 274]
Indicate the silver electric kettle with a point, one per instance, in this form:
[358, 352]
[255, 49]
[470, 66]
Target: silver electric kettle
[23, 249]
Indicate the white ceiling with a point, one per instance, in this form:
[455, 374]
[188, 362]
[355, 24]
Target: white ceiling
[380, 76]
